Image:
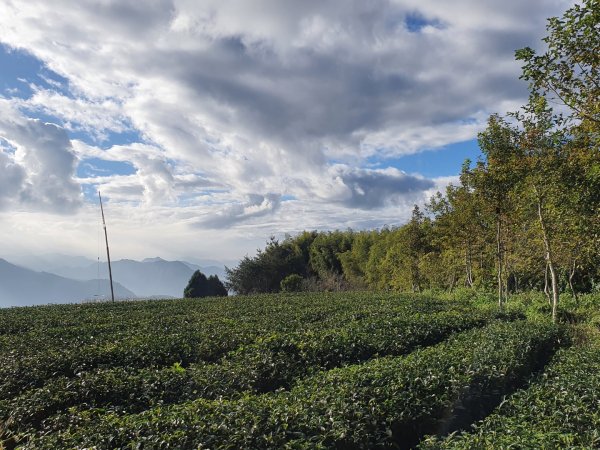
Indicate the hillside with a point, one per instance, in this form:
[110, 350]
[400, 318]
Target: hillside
[21, 286]
[300, 370]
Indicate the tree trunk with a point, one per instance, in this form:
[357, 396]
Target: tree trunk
[571, 275]
[415, 279]
[546, 288]
[416, 276]
[469, 265]
[554, 287]
[452, 281]
[549, 260]
[499, 260]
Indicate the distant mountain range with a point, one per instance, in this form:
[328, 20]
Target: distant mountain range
[80, 279]
[149, 277]
[22, 287]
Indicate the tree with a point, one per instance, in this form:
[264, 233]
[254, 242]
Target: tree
[495, 180]
[388, 267]
[569, 70]
[215, 287]
[395, 257]
[418, 243]
[354, 260]
[459, 233]
[325, 252]
[264, 272]
[542, 181]
[377, 273]
[200, 286]
[582, 176]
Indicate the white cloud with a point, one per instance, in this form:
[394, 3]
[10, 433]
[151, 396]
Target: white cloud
[79, 114]
[39, 175]
[156, 180]
[11, 182]
[243, 104]
[256, 206]
[373, 189]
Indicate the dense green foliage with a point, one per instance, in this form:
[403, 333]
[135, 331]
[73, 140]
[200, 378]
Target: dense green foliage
[272, 362]
[125, 358]
[291, 283]
[560, 410]
[266, 271]
[201, 286]
[569, 70]
[311, 370]
[40, 343]
[389, 400]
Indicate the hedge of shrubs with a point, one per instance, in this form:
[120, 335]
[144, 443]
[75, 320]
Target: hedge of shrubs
[560, 410]
[272, 362]
[388, 401]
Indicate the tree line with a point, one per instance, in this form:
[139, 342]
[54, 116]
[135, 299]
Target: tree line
[524, 216]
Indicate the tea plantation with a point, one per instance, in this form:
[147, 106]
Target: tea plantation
[323, 370]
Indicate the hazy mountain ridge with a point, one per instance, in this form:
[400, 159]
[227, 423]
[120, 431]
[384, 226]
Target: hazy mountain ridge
[20, 286]
[58, 279]
[147, 278]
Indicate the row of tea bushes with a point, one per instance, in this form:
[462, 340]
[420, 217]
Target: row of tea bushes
[560, 410]
[69, 340]
[272, 362]
[389, 401]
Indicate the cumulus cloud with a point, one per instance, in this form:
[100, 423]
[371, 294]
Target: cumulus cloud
[284, 73]
[96, 118]
[240, 104]
[156, 181]
[40, 172]
[372, 189]
[257, 205]
[11, 181]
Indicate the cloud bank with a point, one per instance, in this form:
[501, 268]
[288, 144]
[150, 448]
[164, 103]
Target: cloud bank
[236, 115]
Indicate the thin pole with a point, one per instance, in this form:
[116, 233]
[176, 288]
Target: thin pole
[112, 292]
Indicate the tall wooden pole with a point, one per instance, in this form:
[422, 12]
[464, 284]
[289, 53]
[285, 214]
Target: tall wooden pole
[112, 292]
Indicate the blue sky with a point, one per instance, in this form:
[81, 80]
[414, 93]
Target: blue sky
[223, 123]
[445, 161]
[20, 69]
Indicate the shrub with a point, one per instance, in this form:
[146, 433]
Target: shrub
[292, 283]
[388, 402]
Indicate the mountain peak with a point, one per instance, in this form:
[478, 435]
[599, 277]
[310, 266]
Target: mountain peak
[151, 260]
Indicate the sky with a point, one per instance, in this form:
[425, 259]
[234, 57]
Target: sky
[210, 126]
